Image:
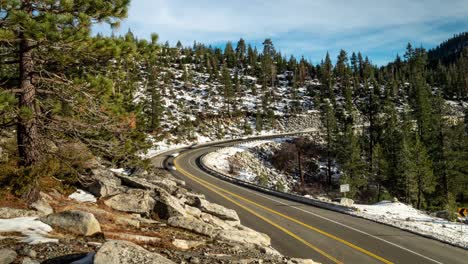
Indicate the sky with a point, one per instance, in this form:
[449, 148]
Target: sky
[377, 28]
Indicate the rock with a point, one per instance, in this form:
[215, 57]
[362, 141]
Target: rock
[42, 206]
[135, 238]
[26, 251]
[215, 221]
[193, 211]
[187, 244]
[166, 184]
[136, 182]
[192, 224]
[194, 260]
[7, 213]
[246, 235]
[168, 206]
[216, 210]
[191, 198]
[395, 200]
[124, 252]
[76, 222]
[133, 201]
[346, 202]
[7, 256]
[28, 260]
[104, 183]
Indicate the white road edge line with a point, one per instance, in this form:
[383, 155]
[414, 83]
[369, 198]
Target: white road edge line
[330, 220]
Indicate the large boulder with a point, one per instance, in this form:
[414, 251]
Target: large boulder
[168, 206]
[76, 222]
[216, 210]
[104, 183]
[7, 256]
[7, 213]
[124, 252]
[133, 201]
[136, 182]
[192, 224]
[245, 235]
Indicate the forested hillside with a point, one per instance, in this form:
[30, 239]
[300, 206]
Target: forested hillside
[67, 95]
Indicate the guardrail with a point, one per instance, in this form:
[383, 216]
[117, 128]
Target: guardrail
[289, 196]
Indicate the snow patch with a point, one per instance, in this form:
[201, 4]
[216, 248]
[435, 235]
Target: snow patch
[35, 231]
[82, 196]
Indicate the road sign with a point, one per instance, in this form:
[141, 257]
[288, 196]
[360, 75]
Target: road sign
[463, 212]
[344, 188]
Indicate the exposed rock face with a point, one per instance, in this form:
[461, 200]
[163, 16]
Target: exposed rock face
[124, 252]
[104, 183]
[216, 210]
[76, 222]
[7, 213]
[192, 224]
[7, 256]
[133, 201]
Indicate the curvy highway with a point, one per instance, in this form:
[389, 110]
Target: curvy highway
[304, 231]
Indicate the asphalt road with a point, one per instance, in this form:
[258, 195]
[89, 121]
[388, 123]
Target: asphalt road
[304, 231]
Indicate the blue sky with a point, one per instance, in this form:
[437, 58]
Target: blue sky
[377, 28]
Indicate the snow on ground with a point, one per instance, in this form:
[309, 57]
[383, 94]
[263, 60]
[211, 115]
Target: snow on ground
[219, 159]
[35, 231]
[406, 217]
[82, 196]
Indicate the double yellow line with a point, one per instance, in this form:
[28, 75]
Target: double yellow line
[219, 190]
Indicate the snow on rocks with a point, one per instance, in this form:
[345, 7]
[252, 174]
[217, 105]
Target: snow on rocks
[244, 163]
[33, 230]
[408, 218]
[82, 196]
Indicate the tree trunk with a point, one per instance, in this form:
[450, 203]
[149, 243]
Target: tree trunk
[300, 167]
[27, 128]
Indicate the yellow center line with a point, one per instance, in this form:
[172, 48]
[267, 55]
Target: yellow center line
[207, 184]
[290, 233]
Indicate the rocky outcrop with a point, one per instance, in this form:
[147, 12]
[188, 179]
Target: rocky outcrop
[76, 222]
[133, 201]
[124, 252]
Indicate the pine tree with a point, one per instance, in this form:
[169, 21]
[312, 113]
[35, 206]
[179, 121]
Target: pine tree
[46, 36]
[330, 130]
[418, 172]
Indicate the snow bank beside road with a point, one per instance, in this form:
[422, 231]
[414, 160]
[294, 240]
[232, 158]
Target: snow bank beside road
[406, 217]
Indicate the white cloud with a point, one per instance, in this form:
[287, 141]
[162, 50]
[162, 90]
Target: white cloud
[364, 24]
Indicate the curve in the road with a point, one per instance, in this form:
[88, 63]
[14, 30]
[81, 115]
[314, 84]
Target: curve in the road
[305, 231]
